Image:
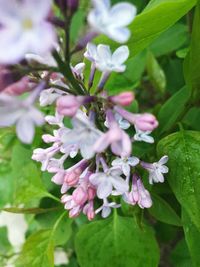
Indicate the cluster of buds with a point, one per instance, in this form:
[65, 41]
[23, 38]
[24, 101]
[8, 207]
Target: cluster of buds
[102, 130]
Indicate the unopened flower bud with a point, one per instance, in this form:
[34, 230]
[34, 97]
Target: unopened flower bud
[89, 210]
[143, 122]
[146, 122]
[68, 105]
[19, 87]
[123, 99]
[72, 178]
[80, 196]
[91, 193]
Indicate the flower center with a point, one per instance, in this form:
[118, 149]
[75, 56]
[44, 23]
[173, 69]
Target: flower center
[27, 24]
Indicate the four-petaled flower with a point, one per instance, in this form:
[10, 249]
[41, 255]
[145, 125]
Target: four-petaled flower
[23, 26]
[105, 209]
[125, 164]
[84, 135]
[156, 170]
[112, 21]
[23, 114]
[106, 181]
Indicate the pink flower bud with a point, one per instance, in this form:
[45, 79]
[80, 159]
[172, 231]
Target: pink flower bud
[89, 210]
[58, 178]
[146, 122]
[47, 138]
[123, 99]
[80, 196]
[19, 87]
[91, 193]
[71, 178]
[74, 212]
[143, 122]
[68, 105]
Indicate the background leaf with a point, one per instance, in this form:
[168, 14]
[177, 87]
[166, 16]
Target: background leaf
[37, 251]
[183, 149]
[116, 241]
[163, 212]
[192, 236]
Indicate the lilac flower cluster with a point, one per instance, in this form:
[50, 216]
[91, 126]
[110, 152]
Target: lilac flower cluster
[102, 130]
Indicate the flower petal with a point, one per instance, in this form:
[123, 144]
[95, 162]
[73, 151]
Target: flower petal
[104, 189]
[119, 184]
[106, 211]
[122, 14]
[104, 54]
[120, 55]
[163, 160]
[120, 35]
[25, 129]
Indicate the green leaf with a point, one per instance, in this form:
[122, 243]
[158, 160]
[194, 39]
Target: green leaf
[27, 178]
[171, 40]
[117, 241]
[192, 62]
[5, 246]
[180, 256]
[163, 212]
[192, 236]
[156, 73]
[183, 149]
[30, 210]
[37, 251]
[172, 109]
[63, 232]
[28, 185]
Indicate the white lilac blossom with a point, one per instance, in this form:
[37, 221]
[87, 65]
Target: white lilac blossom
[55, 120]
[84, 134]
[49, 96]
[106, 181]
[156, 170]
[125, 164]
[91, 52]
[23, 26]
[123, 124]
[105, 209]
[112, 21]
[143, 136]
[23, 114]
[103, 60]
[78, 70]
[108, 62]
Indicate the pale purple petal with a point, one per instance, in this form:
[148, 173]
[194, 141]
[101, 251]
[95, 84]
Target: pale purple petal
[104, 189]
[163, 160]
[25, 129]
[122, 14]
[96, 178]
[120, 35]
[106, 211]
[120, 55]
[119, 184]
